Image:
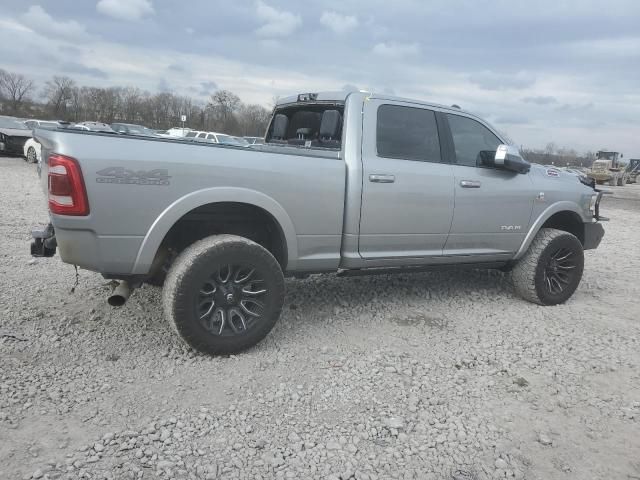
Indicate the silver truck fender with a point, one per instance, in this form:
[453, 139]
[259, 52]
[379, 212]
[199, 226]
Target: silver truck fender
[546, 214]
[185, 204]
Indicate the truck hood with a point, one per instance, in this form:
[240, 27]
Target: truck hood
[547, 174]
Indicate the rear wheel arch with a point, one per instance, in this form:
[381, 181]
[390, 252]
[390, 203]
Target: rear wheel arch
[233, 218]
[215, 201]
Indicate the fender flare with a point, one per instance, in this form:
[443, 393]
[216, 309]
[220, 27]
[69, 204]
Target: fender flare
[174, 212]
[564, 206]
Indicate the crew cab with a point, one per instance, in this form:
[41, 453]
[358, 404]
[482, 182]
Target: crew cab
[349, 182]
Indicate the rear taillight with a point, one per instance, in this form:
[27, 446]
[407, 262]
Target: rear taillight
[67, 194]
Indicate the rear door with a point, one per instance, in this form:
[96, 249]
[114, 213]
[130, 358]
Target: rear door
[492, 206]
[407, 191]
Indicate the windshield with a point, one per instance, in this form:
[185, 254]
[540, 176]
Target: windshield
[12, 123]
[191, 134]
[48, 125]
[606, 155]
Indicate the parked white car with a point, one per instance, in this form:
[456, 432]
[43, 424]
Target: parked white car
[32, 151]
[176, 132]
[31, 147]
[41, 123]
[213, 137]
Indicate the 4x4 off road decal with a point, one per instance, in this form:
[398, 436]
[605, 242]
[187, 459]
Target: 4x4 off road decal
[123, 175]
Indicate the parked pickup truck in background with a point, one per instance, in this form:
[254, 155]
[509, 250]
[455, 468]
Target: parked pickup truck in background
[352, 183]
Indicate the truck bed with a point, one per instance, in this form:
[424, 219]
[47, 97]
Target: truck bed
[158, 180]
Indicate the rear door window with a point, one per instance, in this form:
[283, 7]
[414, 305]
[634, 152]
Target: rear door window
[473, 141]
[407, 133]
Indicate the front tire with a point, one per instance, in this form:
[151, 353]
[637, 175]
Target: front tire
[223, 294]
[551, 270]
[32, 157]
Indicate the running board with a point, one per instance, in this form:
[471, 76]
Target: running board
[418, 268]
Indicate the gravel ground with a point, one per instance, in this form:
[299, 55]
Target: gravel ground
[443, 375]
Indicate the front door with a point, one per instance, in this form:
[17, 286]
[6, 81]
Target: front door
[407, 192]
[492, 206]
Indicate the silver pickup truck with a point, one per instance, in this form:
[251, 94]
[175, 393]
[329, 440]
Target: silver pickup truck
[353, 183]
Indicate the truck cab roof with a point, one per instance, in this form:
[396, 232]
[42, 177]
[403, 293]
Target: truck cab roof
[341, 97]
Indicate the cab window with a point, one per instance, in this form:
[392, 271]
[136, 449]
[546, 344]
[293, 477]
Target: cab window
[407, 133]
[473, 142]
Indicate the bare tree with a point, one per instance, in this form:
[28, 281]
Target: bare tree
[223, 105]
[16, 88]
[59, 92]
[131, 99]
[253, 119]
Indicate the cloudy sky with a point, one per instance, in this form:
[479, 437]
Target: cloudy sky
[566, 71]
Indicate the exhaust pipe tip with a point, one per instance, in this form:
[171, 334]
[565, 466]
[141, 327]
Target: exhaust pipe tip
[116, 300]
[120, 294]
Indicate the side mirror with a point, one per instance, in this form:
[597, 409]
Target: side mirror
[508, 157]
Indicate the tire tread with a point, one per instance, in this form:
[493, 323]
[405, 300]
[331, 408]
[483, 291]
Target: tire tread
[173, 295]
[523, 275]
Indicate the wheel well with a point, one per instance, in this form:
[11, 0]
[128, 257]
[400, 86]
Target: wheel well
[568, 222]
[240, 219]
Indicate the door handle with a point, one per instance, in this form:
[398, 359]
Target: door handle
[469, 183]
[382, 178]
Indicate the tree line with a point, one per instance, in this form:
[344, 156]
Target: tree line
[61, 98]
[558, 156]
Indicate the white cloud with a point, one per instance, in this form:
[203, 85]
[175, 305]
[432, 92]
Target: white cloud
[37, 19]
[337, 22]
[276, 23]
[396, 50]
[125, 9]
[488, 80]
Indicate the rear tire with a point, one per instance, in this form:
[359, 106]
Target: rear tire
[223, 294]
[551, 270]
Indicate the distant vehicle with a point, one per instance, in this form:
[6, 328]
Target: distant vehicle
[93, 127]
[212, 137]
[176, 132]
[230, 140]
[608, 168]
[31, 147]
[41, 123]
[13, 135]
[634, 170]
[242, 141]
[31, 150]
[255, 140]
[132, 129]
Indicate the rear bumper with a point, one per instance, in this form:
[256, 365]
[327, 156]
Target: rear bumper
[593, 233]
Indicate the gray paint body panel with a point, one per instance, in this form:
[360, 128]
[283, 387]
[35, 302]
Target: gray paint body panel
[332, 217]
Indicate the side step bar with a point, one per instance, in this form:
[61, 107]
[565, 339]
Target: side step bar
[418, 268]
